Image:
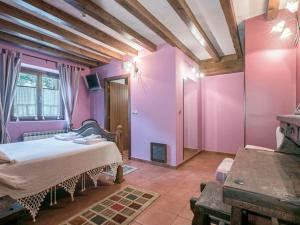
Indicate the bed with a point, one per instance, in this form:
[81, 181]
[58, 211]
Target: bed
[41, 166]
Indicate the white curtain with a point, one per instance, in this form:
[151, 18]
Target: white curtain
[69, 85]
[10, 65]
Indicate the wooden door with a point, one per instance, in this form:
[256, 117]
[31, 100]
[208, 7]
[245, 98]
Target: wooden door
[118, 109]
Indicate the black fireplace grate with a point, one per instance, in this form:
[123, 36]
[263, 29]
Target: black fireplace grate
[158, 152]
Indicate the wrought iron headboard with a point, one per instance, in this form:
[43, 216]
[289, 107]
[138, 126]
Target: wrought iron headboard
[92, 127]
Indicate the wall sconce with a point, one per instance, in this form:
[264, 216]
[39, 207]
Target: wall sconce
[136, 60]
[194, 72]
[200, 75]
[281, 27]
[286, 33]
[132, 67]
[278, 27]
[292, 6]
[197, 73]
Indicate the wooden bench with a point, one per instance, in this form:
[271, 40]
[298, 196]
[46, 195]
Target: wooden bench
[10, 211]
[209, 207]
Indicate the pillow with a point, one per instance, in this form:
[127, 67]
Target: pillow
[93, 136]
[5, 159]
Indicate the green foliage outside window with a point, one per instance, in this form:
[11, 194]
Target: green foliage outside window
[27, 80]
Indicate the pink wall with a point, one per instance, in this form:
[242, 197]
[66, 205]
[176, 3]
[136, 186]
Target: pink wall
[298, 71]
[153, 97]
[223, 112]
[16, 129]
[298, 75]
[270, 74]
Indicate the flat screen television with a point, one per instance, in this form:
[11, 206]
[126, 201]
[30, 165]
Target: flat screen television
[92, 82]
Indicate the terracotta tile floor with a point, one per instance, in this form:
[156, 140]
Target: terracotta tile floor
[176, 187]
[189, 153]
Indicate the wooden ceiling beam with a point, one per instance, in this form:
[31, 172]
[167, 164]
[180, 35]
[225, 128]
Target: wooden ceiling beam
[14, 28]
[82, 27]
[46, 50]
[136, 9]
[67, 35]
[90, 8]
[272, 10]
[227, 64]
[229, 14]
[187, 16]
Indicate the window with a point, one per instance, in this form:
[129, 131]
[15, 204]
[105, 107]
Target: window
[37, 96]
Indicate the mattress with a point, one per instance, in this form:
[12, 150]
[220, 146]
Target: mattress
[42, 164]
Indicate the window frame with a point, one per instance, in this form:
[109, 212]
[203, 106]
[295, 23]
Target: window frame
[39, 91]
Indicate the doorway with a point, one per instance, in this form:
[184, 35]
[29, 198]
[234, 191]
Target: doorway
[117, 109]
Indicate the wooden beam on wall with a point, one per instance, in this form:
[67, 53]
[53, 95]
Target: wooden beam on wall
[272, 10]
[46, 50]
[187, 16]
[90, 8]
[14, 28]
[83, 27]
[229, 14]
[136, 9]
[67, 35]
[227, 64]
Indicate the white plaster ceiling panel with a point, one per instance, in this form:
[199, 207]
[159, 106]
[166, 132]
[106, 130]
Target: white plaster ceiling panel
[169, 18]
[127, 18]
[210, 16]
[283, 4]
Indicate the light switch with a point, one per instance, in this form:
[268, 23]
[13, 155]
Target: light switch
[135, 112]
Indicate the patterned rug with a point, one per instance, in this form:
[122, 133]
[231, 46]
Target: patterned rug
[126, 170]
[122, 207]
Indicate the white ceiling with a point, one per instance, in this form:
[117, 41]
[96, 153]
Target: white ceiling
[208, 13]
[168, 17]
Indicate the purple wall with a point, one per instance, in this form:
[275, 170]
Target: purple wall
[223, 112]
[153, 97]
[270, 75]
[16, 129]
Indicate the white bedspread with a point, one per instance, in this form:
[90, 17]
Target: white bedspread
[41, 164]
